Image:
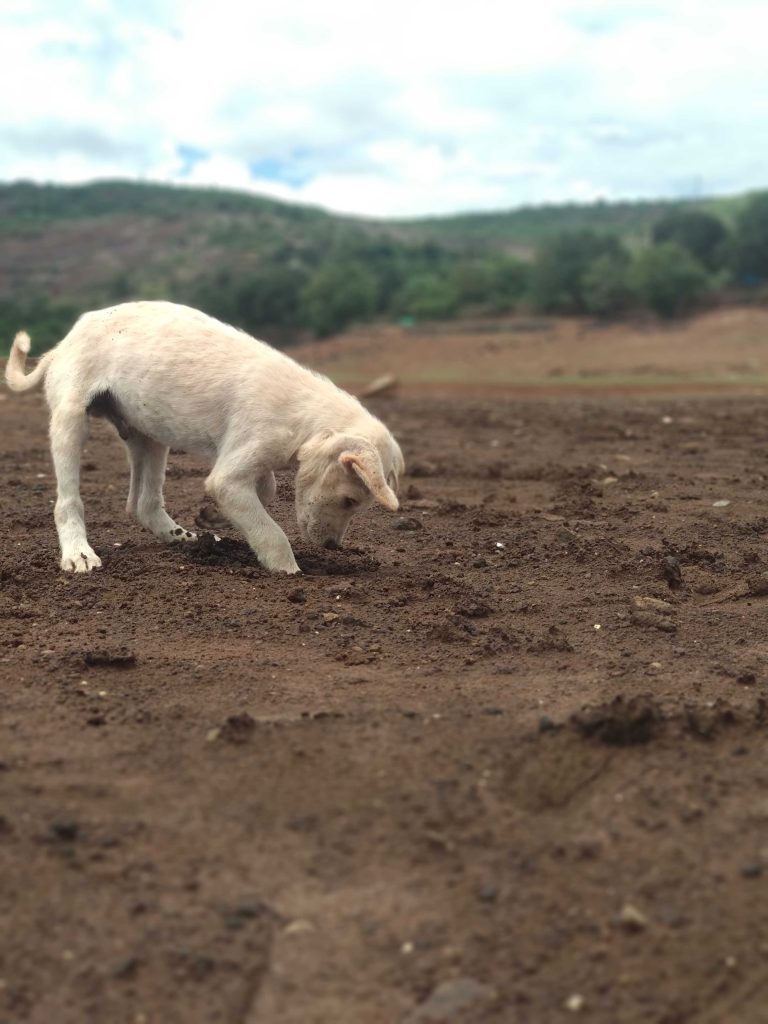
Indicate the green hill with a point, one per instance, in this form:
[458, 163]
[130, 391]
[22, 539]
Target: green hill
[269, 266]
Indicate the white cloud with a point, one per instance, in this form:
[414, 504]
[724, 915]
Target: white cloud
[416, 107]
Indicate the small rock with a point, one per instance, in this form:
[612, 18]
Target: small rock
[425, 468]
[752, 870]
[383, 385]
[237, 728]
[488, 893]
[651, 619]
[574, 1003]
[565, 536]
[117, 657]
[631, 919]
[672, 573]
[301, 926]
[653, 604]
[65, 829]
[453, 1000]
[126, 968]
[329, 617]
[403, 523]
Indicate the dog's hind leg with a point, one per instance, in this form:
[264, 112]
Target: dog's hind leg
[266, 488]
[145, 495]
[69, 428]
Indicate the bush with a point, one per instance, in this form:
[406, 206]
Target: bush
[428, 297]
[750, 242]
[557, 280]
[337, 295]
[606, 288]
[701, 234]
[668, 279]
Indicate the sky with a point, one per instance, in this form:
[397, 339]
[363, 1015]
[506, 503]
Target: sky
[396, 109]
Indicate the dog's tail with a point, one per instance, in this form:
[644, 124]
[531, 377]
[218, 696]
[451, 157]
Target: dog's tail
[15, 377]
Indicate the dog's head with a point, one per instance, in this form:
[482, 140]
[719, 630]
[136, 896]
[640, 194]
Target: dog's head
[341, 474]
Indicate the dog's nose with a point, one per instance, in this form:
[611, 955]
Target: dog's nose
[331, 545]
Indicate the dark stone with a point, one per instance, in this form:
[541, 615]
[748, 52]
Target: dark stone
[64, 829]
[407, 524]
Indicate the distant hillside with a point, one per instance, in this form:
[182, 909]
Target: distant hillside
[274, 267]
[527, 227]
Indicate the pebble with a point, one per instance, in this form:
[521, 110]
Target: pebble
[632, 919]
[654, 604]
[65, 829]
[574, 1003]
[301, 926]
[453, 1000]
[752, 870]
[407, 524]
[566, 536]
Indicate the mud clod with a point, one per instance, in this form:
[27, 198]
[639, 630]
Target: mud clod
[672, 572]
[452, 1000]
[65, 830]
[112, 657]
[406, 523]
[237, 728]
[621, 723]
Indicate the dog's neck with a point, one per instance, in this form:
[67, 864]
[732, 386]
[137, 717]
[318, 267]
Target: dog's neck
[316, 415]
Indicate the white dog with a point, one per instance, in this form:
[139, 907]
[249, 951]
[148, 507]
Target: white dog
[169, 376]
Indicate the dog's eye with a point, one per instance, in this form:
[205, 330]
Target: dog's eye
[348, 503]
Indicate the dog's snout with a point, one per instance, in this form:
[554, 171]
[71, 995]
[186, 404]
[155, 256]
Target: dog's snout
[331, 545]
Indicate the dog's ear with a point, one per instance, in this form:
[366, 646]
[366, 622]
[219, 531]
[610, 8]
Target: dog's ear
[366, 463]
[398, 467]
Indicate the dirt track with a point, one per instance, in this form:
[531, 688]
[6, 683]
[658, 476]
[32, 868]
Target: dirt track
[458, 749]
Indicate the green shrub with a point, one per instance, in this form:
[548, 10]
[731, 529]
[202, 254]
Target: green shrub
[490, 285]
[558, 275]
[701, 234]
[668, 280]
[337, 295]
[750, 243]
[605, 287]
[428, 297]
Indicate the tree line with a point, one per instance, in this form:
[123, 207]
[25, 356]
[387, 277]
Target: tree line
[691, 259]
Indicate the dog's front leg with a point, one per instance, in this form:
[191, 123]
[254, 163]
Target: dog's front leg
[235, 494]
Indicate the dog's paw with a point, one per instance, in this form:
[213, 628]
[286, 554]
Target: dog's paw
[82, 560]
[290, 568]
[179, 535]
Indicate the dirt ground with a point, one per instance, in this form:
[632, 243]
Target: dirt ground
[503, 759]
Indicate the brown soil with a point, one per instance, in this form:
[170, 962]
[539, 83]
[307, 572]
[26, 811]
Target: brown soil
[515, 735]
[724, 350]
